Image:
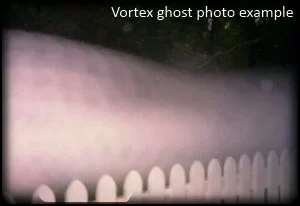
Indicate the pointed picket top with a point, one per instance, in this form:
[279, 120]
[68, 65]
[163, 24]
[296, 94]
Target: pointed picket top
[76, 192]
[244, 183]
[133, 185]
[230, 181]
[197, 177]
[177, 181]
[258, 178]
[106, 190]
[43, 194]
[156, 183]
[285, 176]
[214, 181]
[273, 176]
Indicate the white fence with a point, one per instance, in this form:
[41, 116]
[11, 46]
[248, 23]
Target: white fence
[269, 180]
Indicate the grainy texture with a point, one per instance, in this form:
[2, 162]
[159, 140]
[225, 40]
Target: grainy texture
[77, 111]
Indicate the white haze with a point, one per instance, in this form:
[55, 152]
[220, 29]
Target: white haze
[78, 112]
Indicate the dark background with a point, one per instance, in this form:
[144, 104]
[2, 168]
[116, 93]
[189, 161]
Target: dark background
[184, 43]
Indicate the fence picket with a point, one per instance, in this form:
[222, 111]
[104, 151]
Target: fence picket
[196, 185]
[178, 182]
[258, 178]
[214, 181]
[106, 189]
[133, 185]
[43, 194]
[230, 181]
[76, 192]
[273, 177]
[156, 183]
[244, 183]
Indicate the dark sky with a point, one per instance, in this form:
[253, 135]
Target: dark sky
[181, 39]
